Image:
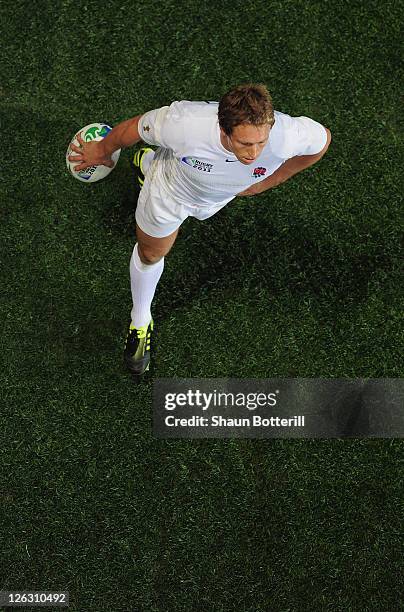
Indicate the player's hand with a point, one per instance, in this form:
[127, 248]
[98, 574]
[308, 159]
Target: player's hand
[89, 154]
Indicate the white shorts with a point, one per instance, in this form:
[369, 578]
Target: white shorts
[158, 215]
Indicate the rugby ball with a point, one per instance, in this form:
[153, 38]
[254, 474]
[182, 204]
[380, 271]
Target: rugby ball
[93, 131]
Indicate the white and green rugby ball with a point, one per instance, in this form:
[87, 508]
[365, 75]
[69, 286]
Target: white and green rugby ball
[93, 131]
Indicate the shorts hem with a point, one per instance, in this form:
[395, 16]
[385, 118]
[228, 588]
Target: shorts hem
[157, 232]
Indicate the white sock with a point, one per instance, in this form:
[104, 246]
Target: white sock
[146, 161]
[143, 282]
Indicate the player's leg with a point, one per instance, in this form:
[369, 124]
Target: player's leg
[152, 249]
[158, 219]
[146, 268]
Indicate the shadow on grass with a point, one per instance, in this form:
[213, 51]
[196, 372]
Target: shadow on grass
[240, 248]
[255, 255]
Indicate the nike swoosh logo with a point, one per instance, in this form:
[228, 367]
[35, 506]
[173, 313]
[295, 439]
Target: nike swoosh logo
[231, 160]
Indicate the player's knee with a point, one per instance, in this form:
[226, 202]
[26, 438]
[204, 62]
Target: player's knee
[149, 256]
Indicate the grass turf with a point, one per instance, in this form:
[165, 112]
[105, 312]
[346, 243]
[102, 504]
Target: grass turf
[91, 502]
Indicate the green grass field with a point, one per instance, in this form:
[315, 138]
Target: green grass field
[302, 281]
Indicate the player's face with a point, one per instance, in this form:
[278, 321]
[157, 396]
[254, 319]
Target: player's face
[247, 141]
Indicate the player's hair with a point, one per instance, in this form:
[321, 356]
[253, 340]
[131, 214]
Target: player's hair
[247, 103]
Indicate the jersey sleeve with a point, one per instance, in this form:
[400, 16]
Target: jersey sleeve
[163, 127]
[309, 136]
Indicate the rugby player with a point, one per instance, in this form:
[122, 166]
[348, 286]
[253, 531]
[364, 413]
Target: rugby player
[207, 153]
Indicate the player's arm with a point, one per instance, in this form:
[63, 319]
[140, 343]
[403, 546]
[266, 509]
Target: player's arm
[288, 169]
[95, 153]
[123, 135]
[292, 166]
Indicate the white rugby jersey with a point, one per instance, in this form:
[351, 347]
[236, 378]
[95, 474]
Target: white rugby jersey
[192, 165]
